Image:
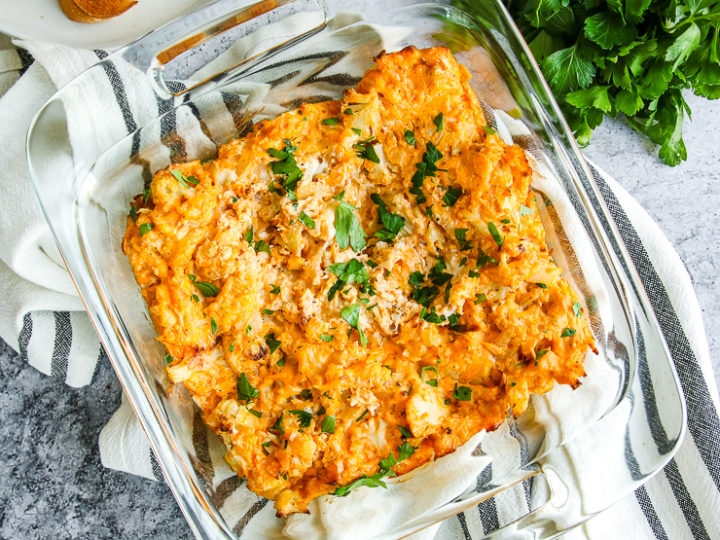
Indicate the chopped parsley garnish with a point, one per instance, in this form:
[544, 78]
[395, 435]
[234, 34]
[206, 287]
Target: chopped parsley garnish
[304, 417]
[207, 289]
[326, 338]
[231, 348]
[541, 285]
[439, 122]
[272, 343]
[541, 353]
[489, 130]
[431, 316]
[462, 393]
[577, 308]
[460, 236]
[404, 452]
[454, 322]
[328, 424]
[249, 236]
[168, 358]
[362, 415]
[416, 279]
[436, 275]
[185, 181]
[348, 111]
[133, 212]
[213, 325]
[568, 332]
[261, 245]
[281, 362]
[480, 298]
[495, 234]
[425, 168]
[332, 121]
[348, 230]
[405, 432]
[286, 168]
[351, 314]
[255, 413]
[306, 394]
[267, 311]
[410, 137]
[473, 273]
[483, 259]
[265, 446]
[357, 131]
[306, 220]
[392, 223]
[195, 298]
[146, 195]
[277, 426]
[364, 150]
[145, 228]
[352, 271]
[431, 382]
[452, 195]
[245, 390]
[525, 210]
[275, 289]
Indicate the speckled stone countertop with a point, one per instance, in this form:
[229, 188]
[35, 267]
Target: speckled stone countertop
[52, 484]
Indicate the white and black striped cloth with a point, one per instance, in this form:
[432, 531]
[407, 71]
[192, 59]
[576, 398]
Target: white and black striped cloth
[43, 319]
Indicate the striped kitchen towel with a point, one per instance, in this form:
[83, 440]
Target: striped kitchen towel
[42, 317]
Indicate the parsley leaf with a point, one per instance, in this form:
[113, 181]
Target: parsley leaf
[364, 150]
[353, 271]
[439, 122]
[246, 391]
[392, 223]
[277, 426]
[272, 343]
[286, 168]
[410, 137]
[567, 332]
[304, 417]
[306, 220]
[347, 227]
[431, 382]
[145, 228]
[451, 196]
[332, 121]
[405, 432]
[495, 234]
[207, 289]
[275, 289]
[462, 393]
[577, 308]
[328, 424]
[425, 168]
[184, 180]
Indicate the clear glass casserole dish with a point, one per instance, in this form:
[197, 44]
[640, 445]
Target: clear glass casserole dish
[96, 143]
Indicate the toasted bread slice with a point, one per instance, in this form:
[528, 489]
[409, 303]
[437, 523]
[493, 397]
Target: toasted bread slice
[90, 11]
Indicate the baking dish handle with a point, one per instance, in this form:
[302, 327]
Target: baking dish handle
[218, 32]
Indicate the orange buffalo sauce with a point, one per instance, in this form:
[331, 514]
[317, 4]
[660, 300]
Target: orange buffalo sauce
[357, 287]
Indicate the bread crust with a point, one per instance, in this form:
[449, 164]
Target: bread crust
[92, 11]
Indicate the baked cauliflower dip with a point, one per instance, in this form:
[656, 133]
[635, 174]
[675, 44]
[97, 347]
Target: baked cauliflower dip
[357, 287]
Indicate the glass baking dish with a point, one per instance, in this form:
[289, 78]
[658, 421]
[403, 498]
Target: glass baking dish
[96, 143]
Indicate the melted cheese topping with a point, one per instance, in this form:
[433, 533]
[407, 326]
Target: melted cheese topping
[238, 281]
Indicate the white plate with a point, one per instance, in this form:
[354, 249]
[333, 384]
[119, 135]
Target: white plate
[43, 20]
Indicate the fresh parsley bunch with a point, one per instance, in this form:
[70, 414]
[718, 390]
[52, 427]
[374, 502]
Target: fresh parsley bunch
[625, 57]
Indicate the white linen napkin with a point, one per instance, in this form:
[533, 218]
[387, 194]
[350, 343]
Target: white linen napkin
[42, 318]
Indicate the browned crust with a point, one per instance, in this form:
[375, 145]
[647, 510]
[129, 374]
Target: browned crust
[76, 14]
[91, 11]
